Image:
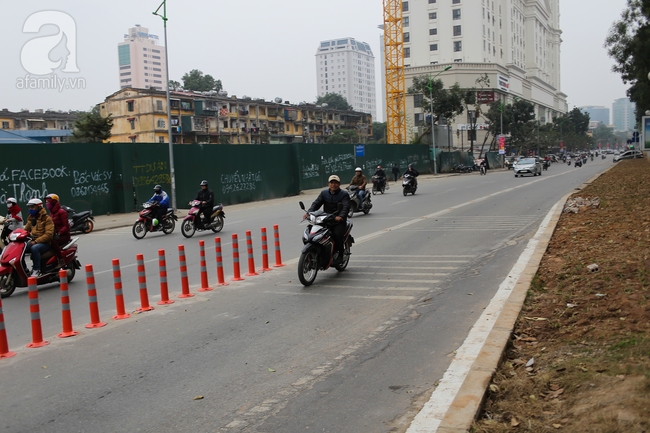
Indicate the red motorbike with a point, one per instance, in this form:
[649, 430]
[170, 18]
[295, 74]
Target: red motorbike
[192, 222]
[145, 222]
[14, 271]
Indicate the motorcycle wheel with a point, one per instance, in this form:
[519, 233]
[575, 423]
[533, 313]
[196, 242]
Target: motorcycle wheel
[187, 228]
[365, 211]
[374, 191]
[350, 212]
[307, 267]
[217, 225]
[139, 230]
[88, 227]
[344, 264]
[71, 272]
[382, 190]
[405, 192]
[7, 285]
[168, 225]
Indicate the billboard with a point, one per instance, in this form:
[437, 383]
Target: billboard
[645, 132]
[485, 97]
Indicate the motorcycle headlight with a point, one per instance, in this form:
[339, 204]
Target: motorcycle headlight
[13, 236]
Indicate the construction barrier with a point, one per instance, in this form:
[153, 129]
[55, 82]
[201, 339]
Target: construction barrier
[119, 296]
[205, 286]
[220, 276]
[95, 322]
[164, 289]
[251, 260]
[265, 252]
[276, 241]
[142, 282]
[4, 344]
[66, 314]
[235, 259]
[35, 313]
[185, 282]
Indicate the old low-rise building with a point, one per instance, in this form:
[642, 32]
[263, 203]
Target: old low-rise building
[140, 115]
[45, 126]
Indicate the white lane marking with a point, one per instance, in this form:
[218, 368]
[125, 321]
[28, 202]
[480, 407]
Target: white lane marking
[398, 202]
[415, 261]
[433, 256]
[429, 418]
[355, 287]
[450, 268]
[125, 266]
[351, 279]
[414, 274]
[380, 298]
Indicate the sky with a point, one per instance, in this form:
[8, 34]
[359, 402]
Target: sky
[258, 48]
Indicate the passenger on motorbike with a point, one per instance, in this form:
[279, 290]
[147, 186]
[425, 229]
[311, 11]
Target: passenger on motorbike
[359, 180]
[484, 163]
[14, 219]
[381, 175]
[61, 225]
[206, 197]
[161, 199]
[413, 172]
[330, 199]
[41, 227]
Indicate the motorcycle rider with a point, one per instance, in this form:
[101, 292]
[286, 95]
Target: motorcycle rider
[381, 175]
[359, 180]
[41, 227]
[413, 172]
[330, 199]
[161, 199]
[61, 225]
[484, 163]
[14, 219]
[206, 197]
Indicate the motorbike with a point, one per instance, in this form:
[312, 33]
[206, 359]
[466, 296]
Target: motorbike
[355, 205]
[483, 170]
[546, 165]
[192, 222]
[13, 267]
[568, 162]
[318, 251]
[80, 221]
[461, 168]
[409, 184]
[144, 223]
[578, 163]
[603, 156]
[379, 184]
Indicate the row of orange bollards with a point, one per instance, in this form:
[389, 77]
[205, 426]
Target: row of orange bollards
[95, 321]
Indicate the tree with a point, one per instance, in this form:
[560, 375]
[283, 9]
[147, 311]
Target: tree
[378, 132]
[627, 43]
[604, 136]
[196, 81]
[518, 121]
[572, 129]
[175, 85]
[343, 136]
[334, 100]
[91, 127]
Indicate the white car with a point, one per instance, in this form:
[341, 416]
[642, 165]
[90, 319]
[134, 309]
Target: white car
[629, 154]
[528, 166]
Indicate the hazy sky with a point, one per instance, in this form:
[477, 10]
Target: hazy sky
[259, 48]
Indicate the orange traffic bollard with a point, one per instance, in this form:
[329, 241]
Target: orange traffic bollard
[66, 314]
[164, 288]
[4, 344]
[119, 296]
[220, 276]
[235, 258]
[276, 241]
[142, 281]
[205, 286]
[185, 282]
[251, 259]
[35, 313]
[265, 252]
[95, 322]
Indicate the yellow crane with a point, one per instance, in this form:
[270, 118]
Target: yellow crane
[394, 64]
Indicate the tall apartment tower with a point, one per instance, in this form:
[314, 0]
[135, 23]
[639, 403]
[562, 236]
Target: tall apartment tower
[347, 67]
[623, 114]
[597, 113]
[515, 42]
[141, 60]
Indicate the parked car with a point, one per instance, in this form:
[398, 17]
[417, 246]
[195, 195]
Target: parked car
[528, 166]
[629, 154]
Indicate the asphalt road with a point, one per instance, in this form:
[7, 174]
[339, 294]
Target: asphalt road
[359, 351]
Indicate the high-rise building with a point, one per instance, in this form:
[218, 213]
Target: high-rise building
[141, 60]
[516, 43]
[597, 113]
[347, 67]
[623, 114]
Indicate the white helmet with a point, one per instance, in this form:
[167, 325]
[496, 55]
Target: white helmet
[35, 202]
[12, 200]
[358, 169]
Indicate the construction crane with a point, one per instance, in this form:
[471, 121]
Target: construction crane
[394, 64]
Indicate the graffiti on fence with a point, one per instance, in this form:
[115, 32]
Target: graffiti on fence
[309, 171]
[237, 181]
[155, 173]
[339, 163]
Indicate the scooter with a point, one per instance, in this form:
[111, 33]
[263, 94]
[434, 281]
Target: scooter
[483, 170]
[578, 163]
[14, 271]
[603, 156]
[546, 165]
[379, 185]
[145, 223]
[355, 205]
[192, 222]
[80, 221]
[318, 250]
[409, 184]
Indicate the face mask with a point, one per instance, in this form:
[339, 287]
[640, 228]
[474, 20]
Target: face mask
[9, 205]
[33, 212]
[48, 206]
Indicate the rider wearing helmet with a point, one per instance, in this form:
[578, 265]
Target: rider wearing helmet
[206, 197]
[381, 175]
[160, 199]
[14, 219]
[61, 225]
[359, 180]
[330, 199]
[41, 227]
[413, 172]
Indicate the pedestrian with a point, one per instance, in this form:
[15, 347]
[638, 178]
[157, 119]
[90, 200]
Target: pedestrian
[395, 172]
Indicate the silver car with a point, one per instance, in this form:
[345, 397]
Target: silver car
[528, 166]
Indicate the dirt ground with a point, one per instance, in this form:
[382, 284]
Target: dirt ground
[579, 358]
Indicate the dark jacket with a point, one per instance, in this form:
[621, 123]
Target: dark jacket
[41, 227]
[206, 196]
[61, 225]
[380, 173]
[330, 202]
[412, 172]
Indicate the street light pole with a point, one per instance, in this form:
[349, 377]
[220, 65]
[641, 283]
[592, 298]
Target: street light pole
[172, 175]
[433, 135]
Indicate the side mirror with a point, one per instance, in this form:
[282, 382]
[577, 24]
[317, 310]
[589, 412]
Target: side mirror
[302, 205]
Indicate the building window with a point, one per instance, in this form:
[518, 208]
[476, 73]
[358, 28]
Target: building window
[456, 30]
[433, 32]
[407, 37]
[433, 15]
[417, 100]
[161, 123]
[405, 6]
[129, 105]
[132, 139]
[406, 21]
[458, 46]
[132, 122]
[159, 105]
[432, 1]
[418, 119]
[455, 13]
[407, 52]
[5, 125]
[433, 47]
[455, 2]
[161, 139]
